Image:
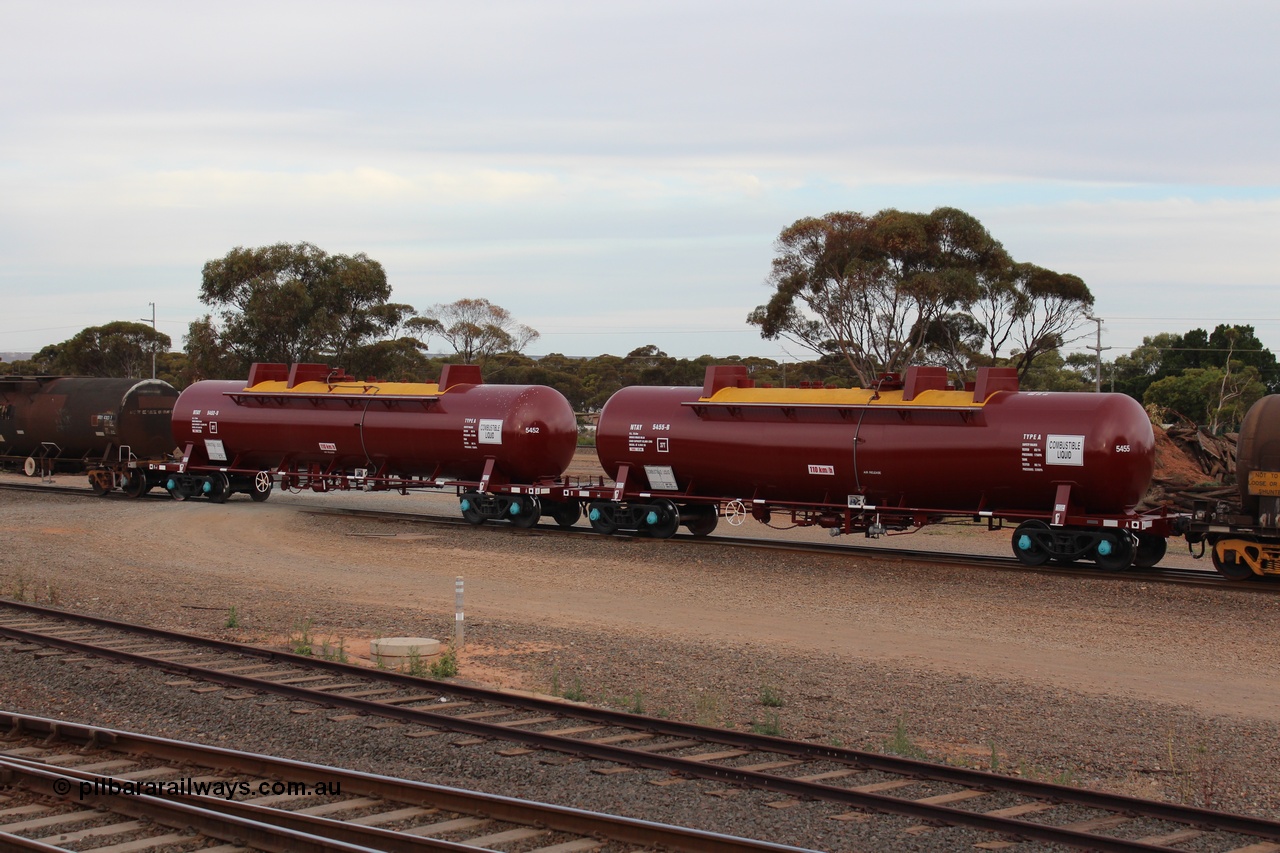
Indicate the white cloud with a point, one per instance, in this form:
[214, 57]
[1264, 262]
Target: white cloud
[638, 156]
[1208, 242]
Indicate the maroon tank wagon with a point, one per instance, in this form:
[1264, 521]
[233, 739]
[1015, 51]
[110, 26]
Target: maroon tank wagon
[314, 427]
[1068, 469]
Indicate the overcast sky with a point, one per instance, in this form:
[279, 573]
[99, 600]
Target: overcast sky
[615, 174]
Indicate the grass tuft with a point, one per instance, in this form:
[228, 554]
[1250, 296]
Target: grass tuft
[301, 641]
[770, 726]
[901, 743]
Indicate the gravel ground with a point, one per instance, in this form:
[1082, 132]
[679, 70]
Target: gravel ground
[1152, 690]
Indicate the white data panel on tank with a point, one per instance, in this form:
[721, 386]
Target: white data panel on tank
[661, 478]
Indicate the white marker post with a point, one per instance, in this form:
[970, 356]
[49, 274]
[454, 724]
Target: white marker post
[458, 623]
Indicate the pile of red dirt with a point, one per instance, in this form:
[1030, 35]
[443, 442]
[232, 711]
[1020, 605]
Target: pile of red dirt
[1191, 464]
[1175, 463]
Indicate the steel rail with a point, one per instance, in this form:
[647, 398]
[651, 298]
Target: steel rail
[494, 806]
[1185, 815]
[17, 842]
[184, 815]
[1179, 576]
[1207, 578]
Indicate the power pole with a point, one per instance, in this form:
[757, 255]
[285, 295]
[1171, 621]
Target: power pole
[1097, 349]
[153, 343]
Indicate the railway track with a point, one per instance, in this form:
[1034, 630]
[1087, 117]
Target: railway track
[1001, 807]
[104, 785]
[1192, 577]
[1168, 575]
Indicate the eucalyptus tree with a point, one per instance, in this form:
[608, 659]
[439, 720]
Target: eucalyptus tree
[290, 303]
[895, 289]
[476, 329]
[122, 349]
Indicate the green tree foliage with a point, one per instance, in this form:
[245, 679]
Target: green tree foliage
[121, 349]
[1208, 378]
[1216, 397]
[1132, 374]
[896, 288]
[1169, 354]
[290, 303]
[393, 360]
[172, 368]
[207, 357]
[1051, 372]
[588, 383]
[555, 370]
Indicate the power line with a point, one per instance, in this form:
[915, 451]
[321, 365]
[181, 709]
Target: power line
[46, 329]
[1246, 320]
[1193, 349]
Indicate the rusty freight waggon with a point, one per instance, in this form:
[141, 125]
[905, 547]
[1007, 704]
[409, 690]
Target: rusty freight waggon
[1244, 541]
[105, 427]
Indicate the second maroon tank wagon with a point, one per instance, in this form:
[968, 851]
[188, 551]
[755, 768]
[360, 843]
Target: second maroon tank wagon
[1068, 468]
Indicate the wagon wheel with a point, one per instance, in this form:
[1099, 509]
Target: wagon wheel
[30, 466]
[602, 518]
[1114, 551]
[100, 482]
[703, 520]
[524, 511]
[176, 491]
[1031, 543]
[218, 488]
[137, 484]
[735, 512]
[663, 519]
[469, 503]
[1150, 551]
[1229, 567]
[565, 513]
[261, 486]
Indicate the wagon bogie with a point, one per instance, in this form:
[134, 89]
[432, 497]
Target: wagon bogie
[521, 510]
